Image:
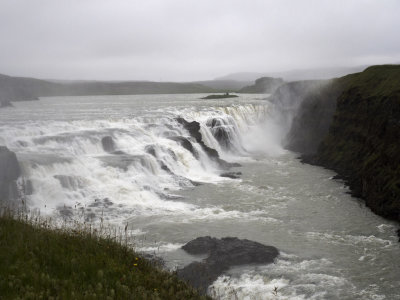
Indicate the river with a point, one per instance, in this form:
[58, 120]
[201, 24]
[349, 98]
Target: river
[331, 245]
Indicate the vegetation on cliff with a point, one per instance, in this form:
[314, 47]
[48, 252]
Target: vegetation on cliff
[363, 143]
[39, 263]
[352, 125]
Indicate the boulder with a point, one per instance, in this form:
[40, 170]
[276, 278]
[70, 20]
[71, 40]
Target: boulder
[108, 144]
[222, 254]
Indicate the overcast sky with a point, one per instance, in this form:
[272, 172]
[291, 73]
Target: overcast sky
[183, 40]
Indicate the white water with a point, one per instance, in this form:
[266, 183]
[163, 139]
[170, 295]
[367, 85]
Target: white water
[332, 246]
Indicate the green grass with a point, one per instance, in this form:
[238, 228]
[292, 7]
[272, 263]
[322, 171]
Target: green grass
[383, 80]
[41, 263]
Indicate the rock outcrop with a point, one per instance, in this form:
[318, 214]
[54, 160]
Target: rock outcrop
[313, 116]
[223, 253]
[352, 126]
[108, 144]
[263, 85]
[194, 130]
[9, 173]
[363, 143]
[185, 143]
[220, 132]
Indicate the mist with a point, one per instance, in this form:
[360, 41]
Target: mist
[192, 40]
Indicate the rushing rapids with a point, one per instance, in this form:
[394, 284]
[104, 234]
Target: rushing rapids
[168, 166]
[130, 166]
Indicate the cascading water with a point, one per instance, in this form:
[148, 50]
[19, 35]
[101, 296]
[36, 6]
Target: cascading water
[128, 166]
[128, 159]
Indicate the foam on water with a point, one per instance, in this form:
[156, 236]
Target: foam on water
[289, 277]
[146, 182]
[69, 170]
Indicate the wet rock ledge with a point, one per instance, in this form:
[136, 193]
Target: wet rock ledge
[9, 173]
[223, 253]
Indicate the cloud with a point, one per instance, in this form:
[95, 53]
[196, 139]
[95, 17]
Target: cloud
[190, 40]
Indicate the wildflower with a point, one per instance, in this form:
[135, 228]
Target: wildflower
[135, 265]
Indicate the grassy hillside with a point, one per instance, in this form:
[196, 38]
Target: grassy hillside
[39, 263]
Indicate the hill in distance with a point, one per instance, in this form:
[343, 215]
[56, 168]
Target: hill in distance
[295, 75]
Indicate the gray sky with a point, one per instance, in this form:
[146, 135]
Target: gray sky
[183, 40]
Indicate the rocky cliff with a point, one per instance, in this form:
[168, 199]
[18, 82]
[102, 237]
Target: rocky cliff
[313, 116]
[9, 173]
[287, 99]
[362, 143]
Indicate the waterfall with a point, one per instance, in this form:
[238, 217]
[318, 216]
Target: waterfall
[132, 166]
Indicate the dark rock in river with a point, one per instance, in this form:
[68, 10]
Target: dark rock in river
[220, 96]
[220, 132]
[9, 173]
[223, 253]
[194, 131]
[233, 175]
[150, 149]
[185, 143]
[119, 152]
[108, 144]
[192, 127]
[124, 161]
[164, 167]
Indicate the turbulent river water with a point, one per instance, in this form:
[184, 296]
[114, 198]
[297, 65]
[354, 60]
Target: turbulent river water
[331, 245]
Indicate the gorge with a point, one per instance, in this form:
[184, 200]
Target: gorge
[173, 168]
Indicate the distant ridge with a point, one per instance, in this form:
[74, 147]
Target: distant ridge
[263, 85]
[23, 88]
[294, 75]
